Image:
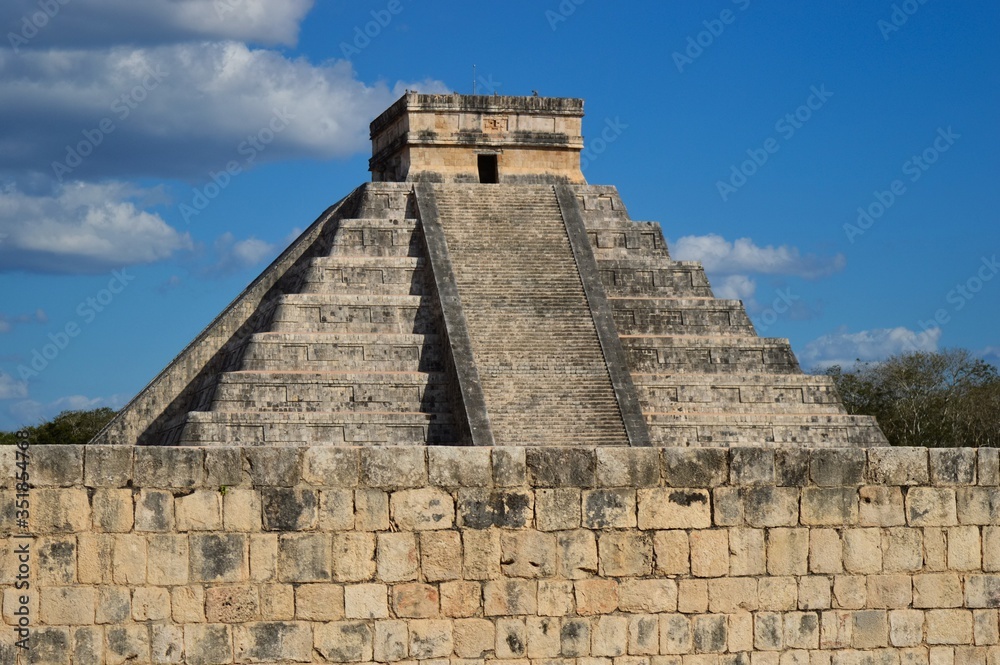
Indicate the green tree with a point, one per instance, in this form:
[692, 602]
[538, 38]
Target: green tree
[946, 398]
[69, 427]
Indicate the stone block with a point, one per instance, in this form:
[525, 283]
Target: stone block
[219, 557]
[643, 635]
[672, 552]
[771, 506]
[988, 466]
[154, 511]
[675, 634]
[953, 466]
[815, 593]
[415, 600]
[889, 591]
[869, 629]
[628, 467]
[344, 641]
[430, 638]
[710, 553]
[54, 559]
[596, 596]
[274, 466]
[768, 631]
[107, 466]
[937, 590]
[791, 467]
[787, 551]
[674, 508]
[650, 596]
[777, 594]
[366, 601]
[561, 467]
[441, 555]
[510, 597]
[472, 638]
[906, 628]
[881, 506]
[692, 596]
[166, 643]
[224, 467]
[986, 630]
[392, 641]
[609, 636]
[964, 548]
[319, 602]
[67, 605]
[902, 550]
[229, 604]
[732, 594]
[935, 549]
[727, 506]
[59, 510]
[543, 637]
[187, 604]
[127, 644]
[393, 467]
[288, 509]
[328, 466]
[898, 466]
[709, 633]
[557, 509]
[527, 554]
[114, 605]
[949, 626]
[56, 465]
[835, 630]
[481, 552]
[978, 505]
[751, 466]
[263, 557]
[371, 510]
[510, 468]
[609, 509]
[353, 557]
[451, 466]
[574, 638]
[165, 467]
[555, 598]
[829, 506]
[695, 467]
[241, 510]
[396, 557]
[484, 508]
[511, 639]
[273, 641]
[304, 557]
[207, 644]
[747, 552]
[94, 558]
[422, 509]
[991, 548]
[461, 598]
[167, 559]
[199, 511]
[625, 554]
[837, 467]
[129, 559]
[982, 591]
[862, 550]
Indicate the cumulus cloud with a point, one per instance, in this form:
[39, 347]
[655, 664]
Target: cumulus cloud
[82, 228]
[735, 287]
[180, 110]
[11, 388]
[29, 411]
[743, 256]
[232, 255]
[102, 22]
[845, 348]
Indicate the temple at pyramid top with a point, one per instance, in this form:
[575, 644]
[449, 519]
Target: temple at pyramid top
[478, 139]
[479, 292]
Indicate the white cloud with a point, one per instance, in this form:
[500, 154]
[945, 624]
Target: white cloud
[744, 256]
[845, 348]
[11, 388]
[31, 412]
[735, 287]
[232, 255]
[101, 22]
[180, 111]
[82, 228]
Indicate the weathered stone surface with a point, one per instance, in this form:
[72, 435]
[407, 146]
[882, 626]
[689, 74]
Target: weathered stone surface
[482, 508]
[674, 508]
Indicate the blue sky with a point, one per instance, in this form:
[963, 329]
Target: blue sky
[753, 131]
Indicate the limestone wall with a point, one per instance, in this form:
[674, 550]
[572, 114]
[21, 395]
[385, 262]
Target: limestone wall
[537, 556]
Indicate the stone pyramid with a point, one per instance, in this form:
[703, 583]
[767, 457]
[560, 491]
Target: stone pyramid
[479, 292]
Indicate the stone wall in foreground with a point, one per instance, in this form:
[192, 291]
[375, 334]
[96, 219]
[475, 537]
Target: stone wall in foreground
[538, 556]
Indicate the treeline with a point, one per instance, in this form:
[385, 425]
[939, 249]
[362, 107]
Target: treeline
[946, 398]
[69, 427]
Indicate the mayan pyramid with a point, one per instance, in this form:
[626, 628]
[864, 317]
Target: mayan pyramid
[479, 292]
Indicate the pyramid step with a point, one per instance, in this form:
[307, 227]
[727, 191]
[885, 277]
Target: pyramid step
[654, 277]
[328, 391]
[737, 388]
[329, 428]
[679, 316]
[665, 354]
[386, 275]
[343, 351]
[762, 429]
[356, 313]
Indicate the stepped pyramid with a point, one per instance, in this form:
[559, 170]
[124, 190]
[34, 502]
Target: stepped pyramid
[479, 292]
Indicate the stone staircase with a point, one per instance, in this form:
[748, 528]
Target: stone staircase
[353, 356]
[703, 376]
[543, 373]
